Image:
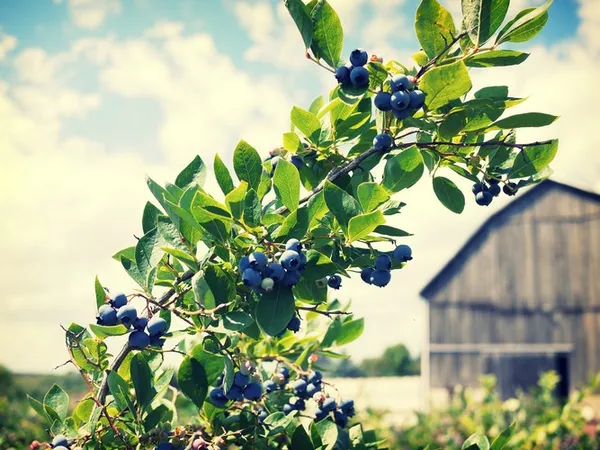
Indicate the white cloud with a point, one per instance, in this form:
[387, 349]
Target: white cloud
[7, 44]
[91, 14]
[165, 29]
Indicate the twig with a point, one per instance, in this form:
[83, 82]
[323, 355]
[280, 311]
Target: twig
[324, 312]
[436, 58]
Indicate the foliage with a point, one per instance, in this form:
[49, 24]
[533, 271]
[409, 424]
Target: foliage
[201, 264]
[536, 420]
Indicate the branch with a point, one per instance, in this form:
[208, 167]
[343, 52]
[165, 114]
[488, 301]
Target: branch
[324, 312]
[481, 144]
[448, 46]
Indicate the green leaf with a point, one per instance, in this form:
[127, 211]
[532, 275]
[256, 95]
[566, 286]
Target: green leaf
[444, 84]
[478, 440]
[391, 231]
[183, 257]
[274, 310]
[193, 174]
[447, 193]
[141, 376]
[496, 58]
[148, 253]
[341, 204]
[252, 210]
[482, 18]
[222, 174]
[526, 25]
[350, 331]
[295, 225]
[434, 27]
[192, 380]
[247, 164]
[307, 123]
[327, 431]
[161, 414]
[499, 92]
[318, 265]
[102, 331]
[286, 182]
[291, 141]
[371, 196]
[38, 407]
[525, 120]
[160, 193]
[150, 217]
[403, 170]
[100, 293]
[300, 14]
[237, 320]
[235, 200]
[217, 225]
[301, 439]
[119, 389]
[533, 159]
[503, 438]
[56, 403]
[220, 283]
[83, 410]
[328, 35]
[308, 291]
[213, 364]
[362, 225]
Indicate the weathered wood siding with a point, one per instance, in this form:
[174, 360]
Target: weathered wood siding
[530, 275]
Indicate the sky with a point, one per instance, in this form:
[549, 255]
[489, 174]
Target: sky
[97, 94]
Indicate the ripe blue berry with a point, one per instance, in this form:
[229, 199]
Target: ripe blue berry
[251, 278]
[269, 386]
[312, 389]
[328, 405]
[510, 188]
[139, 340]
[483, 198]
[236, 393]
[400, 83]
[303, 261]
[119, 300]
[244, 264]
[297, 161]
[262, 416]
[298, 404]
[107, 315]
[59, 439]
[217, 397]
[253, 391]
[290, 260]
[402, 253]
[478, 187]
[366, 273]
[359, 76]
[300, 386]
[383, 101]
[383, 262]
[400, 100]
[291, 278]
[400, 115]
[334, 281]
[293, 244]
[165, 446]
[275, 271]
[358, 57]
[342, 75]
[156, 341]
[60, 447]
[285, 372]
[417, 99]
[258, 261]
[157, 326]
[315, 377]
[347, 406]
[320, 414]
[494, 189]
[294, 324]
[140, 323]
[340, 418]
[381, 278]
[126, 315]
[382, 141]
[241, 380]
[287, 408]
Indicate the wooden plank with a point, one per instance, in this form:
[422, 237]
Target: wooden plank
[507, 348]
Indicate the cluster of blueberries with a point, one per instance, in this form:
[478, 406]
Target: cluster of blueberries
[487, 190]
[354, 74]
[145, 332]
[244, 386]
[404, 100]
[380, 274]
[310, 387]
[262, 276]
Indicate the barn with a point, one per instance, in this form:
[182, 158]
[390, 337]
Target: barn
[521, 296]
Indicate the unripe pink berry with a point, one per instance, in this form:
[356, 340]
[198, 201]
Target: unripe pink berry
[199, 444]
[313, 358]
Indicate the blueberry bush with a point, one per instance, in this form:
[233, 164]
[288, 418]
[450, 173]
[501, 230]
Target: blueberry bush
[238, 283]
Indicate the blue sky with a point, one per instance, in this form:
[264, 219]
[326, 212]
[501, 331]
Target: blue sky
[95, 94]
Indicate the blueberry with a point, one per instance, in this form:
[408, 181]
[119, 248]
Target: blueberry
[359, 77]
[483, 198]
[312, 389]
[400, 83]
[267, 284]
[340, 418]
[294, 324]
[493, 181]
[258, 261]
[417, 99]
[60, 447]
[285, 372]
[303, 261]
[262, 416]
[293, 244]
[291, 278]
[320, 414]
[139, 340]
[59, 439]
[241, 380]
[217, 397]
[358, 57]
[494, 189]
[165, 446]
[157, 326]
[366, 273]
[253, 391]
[275, 271]
[403, 114]
[329, 405]
[126, 315]
[315, 377]
[383, 101]
[297, 161]
[300, 386]
[334, 281]
[140, 323]
[269, 386]
[381, 278]
[510, 188]
[251, 278]
[383, 262]
[107, 315]
[478, 187]
[298, 404]
[119, 300]
[382, 141]
[342, 75]
[287, 408]
[290, 260]
[402, 253]
[400, 100]
[244, 264]
[236, 393]
[347, 406]
[157, 341]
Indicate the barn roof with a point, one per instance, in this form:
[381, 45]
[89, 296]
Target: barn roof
[454, 265]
